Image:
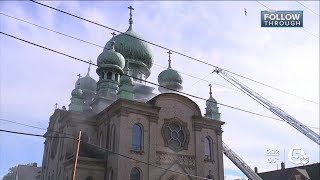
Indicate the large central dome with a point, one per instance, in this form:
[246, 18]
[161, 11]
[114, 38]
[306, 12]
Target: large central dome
[136, 51]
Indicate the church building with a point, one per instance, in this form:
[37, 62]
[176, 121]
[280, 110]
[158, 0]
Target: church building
[127, 131]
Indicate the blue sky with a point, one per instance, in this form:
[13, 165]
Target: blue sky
[33, 80]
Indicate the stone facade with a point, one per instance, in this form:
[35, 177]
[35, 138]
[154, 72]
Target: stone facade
[112, 129]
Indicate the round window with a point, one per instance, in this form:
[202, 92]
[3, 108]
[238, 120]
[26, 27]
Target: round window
[175, 134]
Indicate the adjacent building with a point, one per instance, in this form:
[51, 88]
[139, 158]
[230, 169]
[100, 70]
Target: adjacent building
[306, 172]
[28, 172]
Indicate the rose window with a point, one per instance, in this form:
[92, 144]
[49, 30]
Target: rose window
[175, 135]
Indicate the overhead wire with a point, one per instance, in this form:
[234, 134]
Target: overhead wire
[104, 149]
[187, 94]
[96, 45]
[254, 98]
[308, 8]
[35, 127]
[162, 47]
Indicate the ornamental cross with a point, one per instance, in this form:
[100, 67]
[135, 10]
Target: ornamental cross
[113, 34]
[130, 20]
[90, 62]
[56, 106]
[169, 52]
[210, 90]
[79, 75]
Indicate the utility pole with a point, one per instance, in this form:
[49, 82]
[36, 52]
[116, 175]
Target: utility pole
[76, 158]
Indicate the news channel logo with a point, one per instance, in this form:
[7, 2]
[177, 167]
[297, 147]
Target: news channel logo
[297, 155]
[281, 18]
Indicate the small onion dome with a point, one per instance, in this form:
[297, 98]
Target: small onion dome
[111, 59]
[77, 93]
[86, 83]
[170, 78]
[133, 49]
[126, 80]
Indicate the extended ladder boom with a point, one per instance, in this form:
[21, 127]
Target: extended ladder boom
[276, 110]
[240, 163]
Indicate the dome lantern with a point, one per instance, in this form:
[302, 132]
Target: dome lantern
[212, 109]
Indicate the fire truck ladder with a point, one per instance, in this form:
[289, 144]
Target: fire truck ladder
[240, 163]
[273, 108]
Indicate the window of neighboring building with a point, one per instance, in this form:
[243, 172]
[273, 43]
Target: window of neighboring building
[137, 137]
[298, 177]
[135, 174]
[208, 148]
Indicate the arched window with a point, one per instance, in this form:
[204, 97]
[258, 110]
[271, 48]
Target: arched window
[102, 75]
[116, 77]
[111, 174]
[137, 137]
[209, 177]
[208, 148]
[135, 174]
[112, 139]
[109, 75]
[89, 178]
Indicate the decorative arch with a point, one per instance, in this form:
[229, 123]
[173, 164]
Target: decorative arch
[137, 137]
[136, 174]
[179, 99]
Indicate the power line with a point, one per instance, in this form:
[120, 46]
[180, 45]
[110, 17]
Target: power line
[104, 149]
[308, 8]
[36, 135]
[200, 80]
[35, 127]
[162, 47]
[187, 94]
[93, 44]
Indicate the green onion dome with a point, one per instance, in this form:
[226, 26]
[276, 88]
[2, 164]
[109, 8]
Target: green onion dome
[132, 48]
[111, 59]
[86, 83]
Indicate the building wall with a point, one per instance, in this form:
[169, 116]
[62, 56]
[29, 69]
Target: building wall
[151, 116]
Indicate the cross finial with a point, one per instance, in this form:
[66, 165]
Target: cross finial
[79, 75]
[56, 106]
[90, 62]
[130, 20]
[210, 90]
[169, 52]
[113, 34]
